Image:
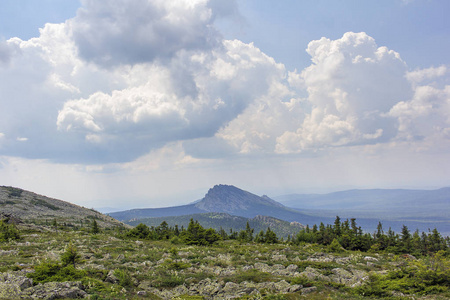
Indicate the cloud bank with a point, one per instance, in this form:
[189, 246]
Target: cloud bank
[123, 79]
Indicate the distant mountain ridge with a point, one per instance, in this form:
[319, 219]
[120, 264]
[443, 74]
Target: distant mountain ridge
[223, 199]
[395, 202]
[418, 209]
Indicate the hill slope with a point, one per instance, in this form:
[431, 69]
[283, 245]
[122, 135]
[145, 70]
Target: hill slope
[29, 207]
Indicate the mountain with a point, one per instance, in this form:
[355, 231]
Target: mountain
[417, 209]
[227, 222]
[223, 199]
[23, 206]
[230, 199]
[385, 203]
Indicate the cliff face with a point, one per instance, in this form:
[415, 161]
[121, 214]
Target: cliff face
[230, 199]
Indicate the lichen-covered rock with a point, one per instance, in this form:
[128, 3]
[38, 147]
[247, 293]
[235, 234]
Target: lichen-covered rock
[349, 278]
[18, 278]
[8, 252]
[292, 268]
[321, 257]
[370, 258]
[262, 267]
[295, 288]
[9, 291]
[111, 278]
[282, 286]
[309, 290]
[55, 290]
[313, 274]
[231, 288]
[279, 257]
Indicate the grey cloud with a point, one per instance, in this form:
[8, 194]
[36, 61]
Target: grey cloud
[4, 52]
[127, 32]
[191, 98]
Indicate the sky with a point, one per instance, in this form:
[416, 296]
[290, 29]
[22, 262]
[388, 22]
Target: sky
[150, 103]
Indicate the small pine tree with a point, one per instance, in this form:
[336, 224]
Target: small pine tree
[270, 237]
[335, 246]
[55, 224]
[8, 232]
[70, 256]
[95, 229]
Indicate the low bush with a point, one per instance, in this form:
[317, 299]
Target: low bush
[8, 232]
[53, 271]
[123, 277]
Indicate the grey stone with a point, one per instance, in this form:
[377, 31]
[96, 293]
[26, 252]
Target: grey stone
[370, 258]
[309, 290]
[282, 286]
[9, 291]
[111, 278]
[279, 257]
[295, 288]
[55, 290]
[313, 274]
[231, 287]
[292, 268]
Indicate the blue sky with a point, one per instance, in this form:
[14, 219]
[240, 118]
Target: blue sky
[150, 103]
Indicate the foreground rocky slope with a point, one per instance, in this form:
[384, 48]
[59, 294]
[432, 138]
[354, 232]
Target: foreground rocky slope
[111, 267]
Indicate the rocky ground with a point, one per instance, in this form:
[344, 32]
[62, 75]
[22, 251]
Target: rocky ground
[116, 268]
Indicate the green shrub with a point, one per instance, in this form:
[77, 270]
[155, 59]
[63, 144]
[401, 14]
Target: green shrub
[70, 256]
[303, 280]
[428, 276]
[165, 279]
[51, 271]
[175, 265]
[123, 277]
[8, 232]
[176, 240]
[141, 231]
[335, 246]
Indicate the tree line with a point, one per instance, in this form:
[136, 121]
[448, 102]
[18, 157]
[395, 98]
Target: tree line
[196, 234]
[351, 237]
[341, 235]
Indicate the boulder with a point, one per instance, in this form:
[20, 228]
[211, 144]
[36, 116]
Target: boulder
[231, 288]
[9, 291]
[55, 290]
[279, 257]
[17, 278]
[111, 278]
[282, 286]
[370, 258]
[313, 274]
[292, 268]
[309, 290]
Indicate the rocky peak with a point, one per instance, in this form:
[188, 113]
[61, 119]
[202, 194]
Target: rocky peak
[228, 198]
